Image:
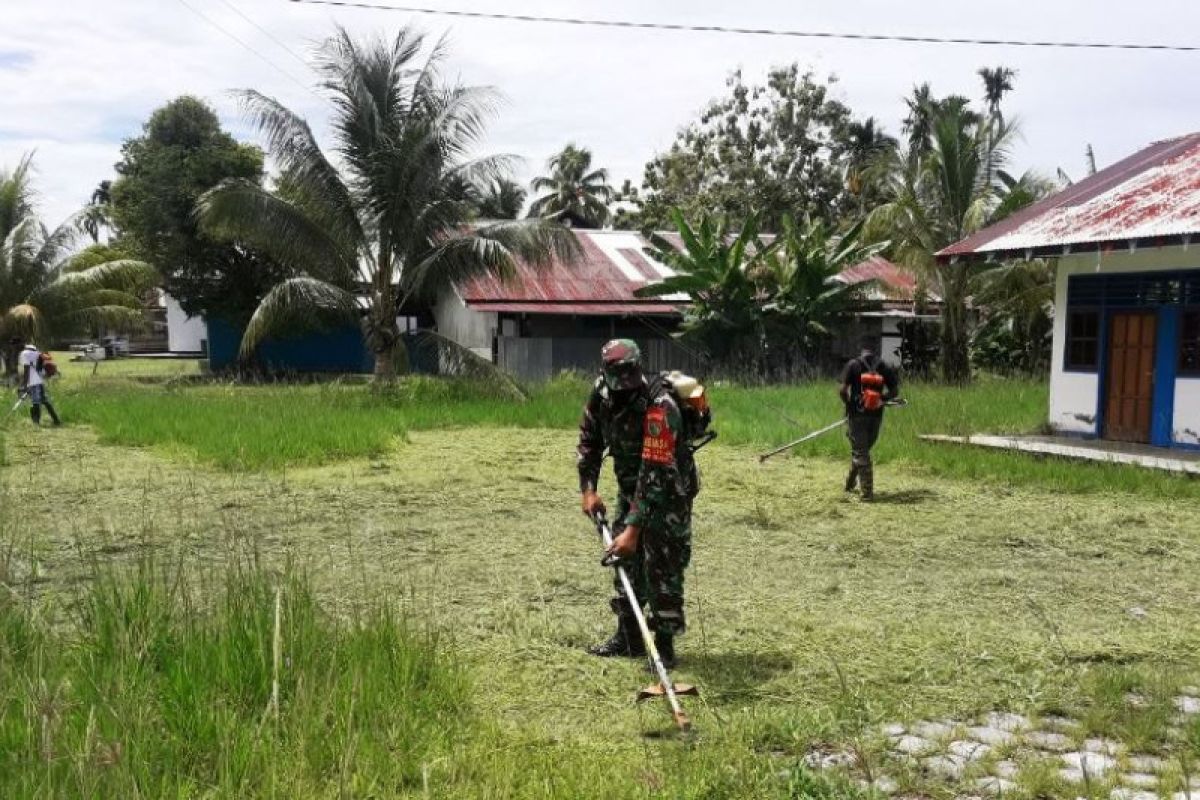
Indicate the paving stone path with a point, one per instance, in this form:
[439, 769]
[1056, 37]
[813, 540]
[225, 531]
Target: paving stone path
[997, 755]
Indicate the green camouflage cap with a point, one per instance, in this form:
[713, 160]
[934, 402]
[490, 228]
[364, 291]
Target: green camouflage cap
[621, 364]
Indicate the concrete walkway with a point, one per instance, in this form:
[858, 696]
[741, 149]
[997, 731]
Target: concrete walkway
[1088, 449]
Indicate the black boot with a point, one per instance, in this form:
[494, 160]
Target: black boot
[53, 415]
[868, 483]
[852, 479]
[35, 414]
[665, 644]
[627, 641]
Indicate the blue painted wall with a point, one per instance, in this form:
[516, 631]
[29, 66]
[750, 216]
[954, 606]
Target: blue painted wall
[341, 350]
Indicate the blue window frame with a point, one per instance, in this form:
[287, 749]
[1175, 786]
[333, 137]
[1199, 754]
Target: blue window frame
[1091, 296]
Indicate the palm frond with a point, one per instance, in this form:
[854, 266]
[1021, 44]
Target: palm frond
[491, 249]
[457, 360]
[241, 210]
[297, 305]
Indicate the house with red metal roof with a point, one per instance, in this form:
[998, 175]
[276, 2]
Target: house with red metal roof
[1126, 354]
[541, 322]
[891, 305]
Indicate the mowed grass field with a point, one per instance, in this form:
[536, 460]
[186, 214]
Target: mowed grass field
[430, 534]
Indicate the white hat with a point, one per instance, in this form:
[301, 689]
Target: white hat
[31, 347]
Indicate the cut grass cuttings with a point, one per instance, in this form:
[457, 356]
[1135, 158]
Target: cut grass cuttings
[248, 428]
[151, 695]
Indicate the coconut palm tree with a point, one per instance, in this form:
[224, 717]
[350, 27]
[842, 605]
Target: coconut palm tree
[390, 223]
[997, 82]
[97, 213]
[502, 198]
[939, 198]
[42, 294]
[869, 143]
[573, 191]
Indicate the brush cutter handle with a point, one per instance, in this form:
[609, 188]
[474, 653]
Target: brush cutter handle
[668, 688]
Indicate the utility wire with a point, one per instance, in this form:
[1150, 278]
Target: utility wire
[269, 35]
[263, 58]
[795, 34]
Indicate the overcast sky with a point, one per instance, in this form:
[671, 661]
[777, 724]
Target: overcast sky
[79, 76]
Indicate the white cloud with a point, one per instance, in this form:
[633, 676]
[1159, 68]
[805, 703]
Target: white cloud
[77, 77]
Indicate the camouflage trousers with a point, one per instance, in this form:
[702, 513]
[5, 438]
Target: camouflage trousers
[656, 571]
[863, 431]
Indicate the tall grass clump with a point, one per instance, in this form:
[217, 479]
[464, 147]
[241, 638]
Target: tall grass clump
[152, 695]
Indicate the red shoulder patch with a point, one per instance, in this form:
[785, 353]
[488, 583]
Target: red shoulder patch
[658, 442]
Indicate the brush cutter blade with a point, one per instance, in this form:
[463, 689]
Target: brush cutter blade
[657, 691]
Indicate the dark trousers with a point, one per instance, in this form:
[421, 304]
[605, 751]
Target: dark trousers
[863, 431]
[39, 397]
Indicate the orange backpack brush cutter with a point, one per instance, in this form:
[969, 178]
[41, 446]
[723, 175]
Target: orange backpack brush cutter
[870, 390]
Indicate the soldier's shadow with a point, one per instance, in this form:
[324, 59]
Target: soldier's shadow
[732, 676]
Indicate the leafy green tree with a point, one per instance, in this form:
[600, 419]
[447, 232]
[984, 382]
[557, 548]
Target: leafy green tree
[389, 224]
[44, 294]
[182, 153]
[501, 198]
[1017, 305]
[805, 300]
[573, 192]
[765, 151]
[713, 269]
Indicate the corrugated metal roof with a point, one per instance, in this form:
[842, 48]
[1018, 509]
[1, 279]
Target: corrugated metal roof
[611, 268]
[581, 309]
[1153, 194]
[893, 282]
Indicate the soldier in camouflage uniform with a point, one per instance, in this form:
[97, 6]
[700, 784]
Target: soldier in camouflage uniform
[642, 428]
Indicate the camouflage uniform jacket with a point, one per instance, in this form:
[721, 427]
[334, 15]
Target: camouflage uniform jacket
[654, 466]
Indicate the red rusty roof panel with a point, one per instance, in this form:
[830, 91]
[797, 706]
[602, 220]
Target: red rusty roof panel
[581, 309]
[1153, 193]
[610, 269]
[893, 281]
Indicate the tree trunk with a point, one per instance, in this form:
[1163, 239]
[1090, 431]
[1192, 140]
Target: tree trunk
[956, 354]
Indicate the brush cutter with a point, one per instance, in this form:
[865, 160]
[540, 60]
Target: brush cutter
[822, 431]
[20, 399]
[664, 688]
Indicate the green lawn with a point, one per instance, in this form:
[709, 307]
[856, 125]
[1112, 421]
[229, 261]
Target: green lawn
[154, 403]
[976, 583]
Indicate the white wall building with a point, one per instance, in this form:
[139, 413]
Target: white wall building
[184, 334]
[1126, 358]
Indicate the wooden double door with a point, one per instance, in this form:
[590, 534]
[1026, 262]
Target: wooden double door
[1130, 391]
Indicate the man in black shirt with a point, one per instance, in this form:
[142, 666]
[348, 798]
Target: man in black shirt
[867, 383]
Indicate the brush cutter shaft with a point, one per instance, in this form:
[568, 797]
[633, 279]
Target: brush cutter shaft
[822, 431]
[20, 399]
[651, 650]
[803, 439]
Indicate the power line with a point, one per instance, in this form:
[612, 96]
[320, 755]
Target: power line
[268, 34]
[263, 58]
[795, 34]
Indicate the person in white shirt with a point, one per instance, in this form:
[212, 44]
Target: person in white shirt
[34, 384]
